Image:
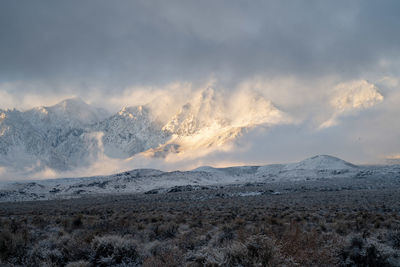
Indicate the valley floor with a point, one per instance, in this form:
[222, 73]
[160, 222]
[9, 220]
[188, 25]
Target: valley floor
[294, 224]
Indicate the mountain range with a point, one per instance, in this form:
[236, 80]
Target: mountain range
[74, 134]
[327, 169]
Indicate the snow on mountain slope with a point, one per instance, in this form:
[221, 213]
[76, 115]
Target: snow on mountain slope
[73, 134]
[203, 112]
[47, 137]
[210, 121]
[143, 180]
[321, 162]
[130, 131]
[73, 112]
[230, 171]
[312, 168]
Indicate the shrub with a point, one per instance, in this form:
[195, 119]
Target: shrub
[46, 251]
[113, 250]
[226, 235]
[262, 250]
[360, 253]
[165, 231]
[236, 255]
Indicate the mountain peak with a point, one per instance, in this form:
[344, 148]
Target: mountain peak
[75, 111]
[323, 162]
[70, 103]
[134, 111]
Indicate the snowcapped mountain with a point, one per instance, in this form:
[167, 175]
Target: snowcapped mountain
[130, 131]
[209, 121]
[203, 112]
[317, 168]
[74, 134]
[49, 136]
[72, 112]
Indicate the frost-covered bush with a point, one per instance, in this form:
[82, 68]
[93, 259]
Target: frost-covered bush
[59, 250]
[359, 252]
[46, 251]
[256, 250]
[262, 250]
[112, 250]
[235, 254]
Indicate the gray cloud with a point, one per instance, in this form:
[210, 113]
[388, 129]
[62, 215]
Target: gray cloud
[112, 44]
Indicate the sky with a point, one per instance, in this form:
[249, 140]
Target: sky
[332, 66]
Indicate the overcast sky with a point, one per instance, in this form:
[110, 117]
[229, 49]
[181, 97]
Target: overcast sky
[334, 66]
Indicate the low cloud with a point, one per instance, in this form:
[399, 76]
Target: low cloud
[392, 159]
[355, 95]
[9, 98]
[352, 96]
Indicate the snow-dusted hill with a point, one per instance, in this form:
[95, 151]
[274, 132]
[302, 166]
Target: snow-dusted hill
[145, 180]
[322, 162]
[73, 134]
